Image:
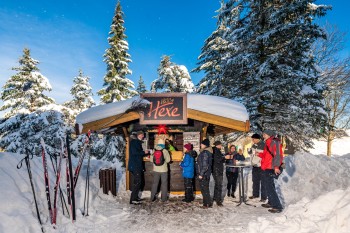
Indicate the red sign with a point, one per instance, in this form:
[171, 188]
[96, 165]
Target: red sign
[165, 108]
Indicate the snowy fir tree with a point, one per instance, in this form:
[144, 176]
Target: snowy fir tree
[269, 66]
[24, 92]
[116, 85]
[172, 78]
[108, 147]
[82, 94]
[141, 87]
[215, 50]
[23, 131]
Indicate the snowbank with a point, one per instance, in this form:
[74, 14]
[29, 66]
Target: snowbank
[310, 176]
[211, 104]
[17, 208]
[327, 213]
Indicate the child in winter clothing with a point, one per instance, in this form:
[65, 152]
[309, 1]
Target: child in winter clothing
[187, 165]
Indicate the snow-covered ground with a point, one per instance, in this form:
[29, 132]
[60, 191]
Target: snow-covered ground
[315, 191]
[341, 146]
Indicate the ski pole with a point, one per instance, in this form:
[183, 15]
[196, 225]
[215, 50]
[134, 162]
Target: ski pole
[19, 165]
[72, 195]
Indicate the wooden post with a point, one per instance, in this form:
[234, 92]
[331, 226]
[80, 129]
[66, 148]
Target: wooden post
[127, 144]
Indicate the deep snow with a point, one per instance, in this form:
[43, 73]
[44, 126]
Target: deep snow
[315, 191]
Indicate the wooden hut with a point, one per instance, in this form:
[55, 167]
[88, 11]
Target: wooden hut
[181, 118]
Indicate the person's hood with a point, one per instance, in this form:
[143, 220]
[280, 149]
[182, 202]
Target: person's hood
[193, 153]
[208, 149]
[159, 147]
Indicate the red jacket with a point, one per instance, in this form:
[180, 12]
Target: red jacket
[267, 160]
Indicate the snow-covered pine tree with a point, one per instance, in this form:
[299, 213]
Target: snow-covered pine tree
[82, 94]
[215, 49]
[172, 78]
[141, 87]
[271, 68]
[24, 92]
[116, 85]
[23, 131]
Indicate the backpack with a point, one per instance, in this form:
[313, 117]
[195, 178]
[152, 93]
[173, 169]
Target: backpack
[158, 158]
[277, 142]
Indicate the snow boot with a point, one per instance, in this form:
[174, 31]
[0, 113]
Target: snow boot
[267, 205]
[275, 211]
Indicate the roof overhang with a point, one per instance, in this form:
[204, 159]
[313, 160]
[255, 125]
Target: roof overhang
[97, 121]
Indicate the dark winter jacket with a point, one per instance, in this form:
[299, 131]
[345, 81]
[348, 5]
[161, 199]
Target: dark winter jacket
[204, 162]
[218, 161]
[136, 155]
[187, 165]
[236, 156]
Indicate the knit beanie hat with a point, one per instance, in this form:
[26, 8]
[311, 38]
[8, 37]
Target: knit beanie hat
[188, 146]
[206, 142]
[269, 132]
[256, 136]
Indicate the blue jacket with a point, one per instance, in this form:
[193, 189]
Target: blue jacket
[136, 155]
[236, 156]
[187, 165]
[204, 162]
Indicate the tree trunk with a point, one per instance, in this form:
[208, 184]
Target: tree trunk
[329, 146]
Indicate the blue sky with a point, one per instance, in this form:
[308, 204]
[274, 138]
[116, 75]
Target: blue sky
[67, 35]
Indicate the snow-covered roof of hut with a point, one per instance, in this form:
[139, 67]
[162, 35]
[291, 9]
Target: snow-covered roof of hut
[214, 105]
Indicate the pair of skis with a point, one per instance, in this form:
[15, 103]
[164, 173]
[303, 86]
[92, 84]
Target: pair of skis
[52, 210]
[71, 179]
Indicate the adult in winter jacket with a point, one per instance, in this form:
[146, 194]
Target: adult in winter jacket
[218, 172]
[258, 185]
[232, 172]
[271, 160]
[135, 166]
[204, 164]
[160, 173]
[187, 166]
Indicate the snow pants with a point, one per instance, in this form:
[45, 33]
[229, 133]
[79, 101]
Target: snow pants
[188, 182]
[232, 178]
[258, 184]
[204, 184]
[136, 186]
[269, 182]
[218, 178]
[163, 177]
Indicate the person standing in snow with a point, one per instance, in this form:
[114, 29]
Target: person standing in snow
[258, 185]
[135, 166]
[232, 172]
[160, 170]
[187, 165]
[204, 164]
[271, 160]
[218, 172]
